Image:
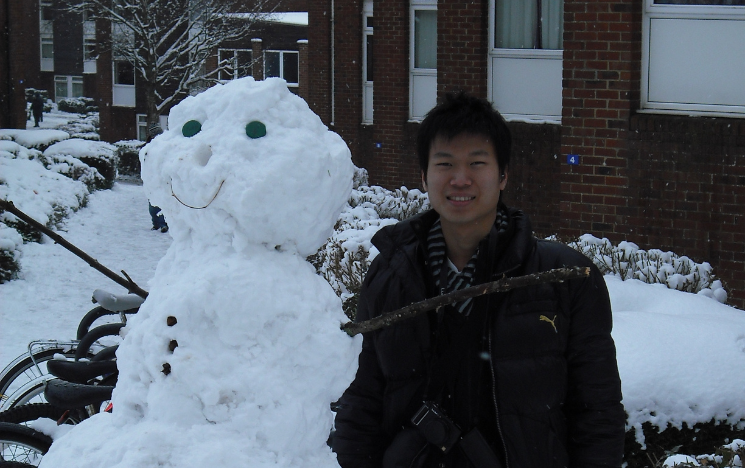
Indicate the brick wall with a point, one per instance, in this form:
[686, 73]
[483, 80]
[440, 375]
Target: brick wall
[462, 41]
[20, 70]
[533, 183]
[602, 43]
[392, 162]
[687, 191]
[319, 58]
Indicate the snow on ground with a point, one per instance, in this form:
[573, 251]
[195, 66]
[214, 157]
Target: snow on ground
[55, 288]
[681, 355]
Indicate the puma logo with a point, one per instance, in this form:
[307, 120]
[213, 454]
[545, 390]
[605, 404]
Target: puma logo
[543, 318]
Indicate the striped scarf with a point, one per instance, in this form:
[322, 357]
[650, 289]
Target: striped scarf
[456, 280]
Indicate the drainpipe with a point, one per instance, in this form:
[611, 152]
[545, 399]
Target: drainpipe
[9, 102]
[333, 69]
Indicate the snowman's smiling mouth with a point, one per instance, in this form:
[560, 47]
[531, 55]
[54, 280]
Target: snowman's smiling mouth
[196, 207]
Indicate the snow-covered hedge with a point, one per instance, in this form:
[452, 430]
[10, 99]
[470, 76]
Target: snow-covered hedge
[79, 105]
[96, 154]
[86, 127]
[34, 139]
[653, 266]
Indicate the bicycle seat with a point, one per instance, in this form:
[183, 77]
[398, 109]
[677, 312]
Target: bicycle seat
[117, 302]
[80, 371]
[70, 395]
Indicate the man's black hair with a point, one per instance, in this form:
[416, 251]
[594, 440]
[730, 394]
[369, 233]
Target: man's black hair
[463, 113]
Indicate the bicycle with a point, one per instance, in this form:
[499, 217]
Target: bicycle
[22, 445]
[23, 380]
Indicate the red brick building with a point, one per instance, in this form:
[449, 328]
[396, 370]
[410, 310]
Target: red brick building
[628, 116]
[44, 47]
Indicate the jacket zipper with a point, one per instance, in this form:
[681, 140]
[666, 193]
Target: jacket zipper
[494, 399]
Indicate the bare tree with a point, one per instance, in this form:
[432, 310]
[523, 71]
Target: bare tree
[168, 42]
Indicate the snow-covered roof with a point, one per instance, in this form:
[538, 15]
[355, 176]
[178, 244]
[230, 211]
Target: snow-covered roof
[298, 18]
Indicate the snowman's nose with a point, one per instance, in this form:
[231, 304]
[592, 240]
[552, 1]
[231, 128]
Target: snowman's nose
[202, 153]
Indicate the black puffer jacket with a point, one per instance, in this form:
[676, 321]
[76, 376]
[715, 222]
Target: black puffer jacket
[552, 370]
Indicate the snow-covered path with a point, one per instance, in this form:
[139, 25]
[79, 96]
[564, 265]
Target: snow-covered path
[55, 288]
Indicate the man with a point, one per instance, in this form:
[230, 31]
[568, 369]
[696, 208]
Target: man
[37, 108]
[523, 379]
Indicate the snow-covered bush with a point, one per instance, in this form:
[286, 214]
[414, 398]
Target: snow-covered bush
[46, 196]
[36, 139]
[344, 259]
[79, 105]
[652, 266]
[96, 154]
[85, 128]
[128, 156]
[10, 242]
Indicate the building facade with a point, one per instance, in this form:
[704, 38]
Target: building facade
[628, 116]
[42, 46]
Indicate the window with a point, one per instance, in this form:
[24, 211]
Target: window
[46, 35]
[67, 87]
[235, 63]
[90, 53]
[282, 63]
[142, 127]
[525, 59]
[692, 59]
[533, 24]
[367, 63]
[423, 62]
[123, 89]
[47, 54]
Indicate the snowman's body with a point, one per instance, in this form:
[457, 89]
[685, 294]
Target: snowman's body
[237, 353]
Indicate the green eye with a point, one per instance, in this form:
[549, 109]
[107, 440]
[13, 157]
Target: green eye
[255, 129]
[191, 128]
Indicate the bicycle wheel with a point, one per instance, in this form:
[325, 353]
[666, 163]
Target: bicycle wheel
[12, 464]
[30, 392]
[24, 414]
[23, 370]
[22, 444]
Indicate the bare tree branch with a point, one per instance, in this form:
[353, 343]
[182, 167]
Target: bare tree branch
[552, 276]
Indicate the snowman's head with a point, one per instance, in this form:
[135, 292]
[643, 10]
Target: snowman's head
[248, 162]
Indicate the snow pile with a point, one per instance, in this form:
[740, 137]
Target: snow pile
[236, 354]
[38, 139]
[653, 266]
[681, 356]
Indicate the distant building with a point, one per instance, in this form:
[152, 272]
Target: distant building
[47, 48]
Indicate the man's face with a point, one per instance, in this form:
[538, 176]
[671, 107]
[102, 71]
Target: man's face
[464, 180]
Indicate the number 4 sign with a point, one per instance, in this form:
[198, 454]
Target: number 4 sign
[573, 159]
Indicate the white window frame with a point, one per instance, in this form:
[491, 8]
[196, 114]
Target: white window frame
[46, 36]
[89, 37]
[690, 80]
[122, 95]
[69, 81]
[282, 65]
[141, 125]
[222, 74]
[367, 86]
[524, 85]
[422, 81]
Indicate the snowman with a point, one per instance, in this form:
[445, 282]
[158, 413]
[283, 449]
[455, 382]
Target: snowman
[235, 356]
